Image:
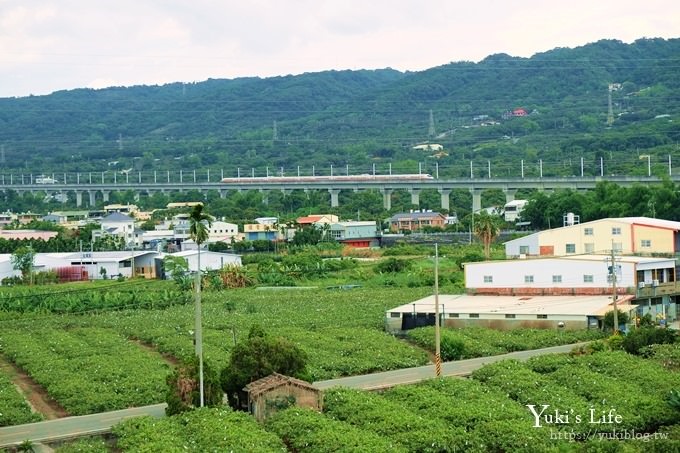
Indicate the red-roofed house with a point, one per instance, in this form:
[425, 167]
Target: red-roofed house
[316, 219]
[519, 112]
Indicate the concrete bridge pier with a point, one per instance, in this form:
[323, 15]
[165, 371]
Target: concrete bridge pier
[387, 198]
[93, 199]
[445, 198]
[510, 195]
[265, 196]
[415, 196]
[105, 194]
[335, 202]
[223, 193]
[79, 198]
[476, 199]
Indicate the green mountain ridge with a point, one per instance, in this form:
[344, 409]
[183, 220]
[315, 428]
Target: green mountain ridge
[364, 117]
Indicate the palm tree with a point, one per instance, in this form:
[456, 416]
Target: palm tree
[487, 229]
[199, 222]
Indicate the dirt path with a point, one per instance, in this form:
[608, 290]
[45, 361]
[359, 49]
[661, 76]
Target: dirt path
[170, 359]
[35, 395]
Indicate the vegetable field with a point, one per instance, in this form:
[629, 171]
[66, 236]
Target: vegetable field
[87, 369]
[88, 362]
[13, 408]
[471, 342]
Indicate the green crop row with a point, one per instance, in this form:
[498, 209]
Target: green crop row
[90, 297]
[303, 430]
[199, 431]
[13, 408]
[87, 369]
[473, 342]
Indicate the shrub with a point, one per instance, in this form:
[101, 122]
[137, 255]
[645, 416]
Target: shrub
[615, 342]
[639, 338]
[393, 265]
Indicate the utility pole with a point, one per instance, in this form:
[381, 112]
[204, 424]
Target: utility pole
[437, 338]
[612, 273]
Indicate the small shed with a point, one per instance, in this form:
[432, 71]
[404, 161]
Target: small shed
[276, 392]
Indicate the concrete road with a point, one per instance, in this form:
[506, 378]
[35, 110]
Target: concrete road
[68, 427]
[412, 375]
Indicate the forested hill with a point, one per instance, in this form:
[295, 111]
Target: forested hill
[363, 117]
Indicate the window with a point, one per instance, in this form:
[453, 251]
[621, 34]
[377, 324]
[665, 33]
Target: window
[570, 248]
[616, 230]
[474, 315]
[528, 279]
[453, 315]
[488, 279]
[618, 247]
[395, 314]
[523, 249]
[645, 243]
[588, 231]
[541, 316]
[509, 316]
[589, 247]
[588, 278]
[557, 278]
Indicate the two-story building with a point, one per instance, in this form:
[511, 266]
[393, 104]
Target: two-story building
[121, 226]
[416, 220]
[357, 234]
[625, 235]
[261, 232]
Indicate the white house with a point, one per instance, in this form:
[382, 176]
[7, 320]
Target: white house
[220, 231]
[119, 225]
[209, 260]
[582, 274]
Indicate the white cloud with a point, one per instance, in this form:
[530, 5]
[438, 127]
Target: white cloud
[47, 45]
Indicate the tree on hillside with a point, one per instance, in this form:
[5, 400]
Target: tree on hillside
[22, 260]
[199, 222]
[487, 228]
[258, 356]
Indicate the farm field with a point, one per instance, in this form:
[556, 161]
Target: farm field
[487, 413]
[112, 359]
[471, 342]
[15, 410]
[89, 362]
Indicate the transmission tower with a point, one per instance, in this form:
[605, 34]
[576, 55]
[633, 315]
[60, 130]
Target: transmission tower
[431, 131]
[610, 109]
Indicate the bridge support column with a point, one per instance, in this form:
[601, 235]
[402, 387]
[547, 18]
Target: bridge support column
[79, 198]
[286, 192]
[92, 194]
[387, 198]
[510, 195]
[446, 198]
[415, 196]
[223, 193]
[335, 202]
[265, 196]
[106, 194]
[476, 199]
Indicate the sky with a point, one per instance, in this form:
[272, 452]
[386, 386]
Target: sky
[51, 45]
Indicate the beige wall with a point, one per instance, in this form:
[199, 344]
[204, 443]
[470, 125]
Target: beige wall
[662, 240]
[601, 239]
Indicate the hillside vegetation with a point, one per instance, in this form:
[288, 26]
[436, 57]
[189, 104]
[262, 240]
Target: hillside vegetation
[360, 118]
